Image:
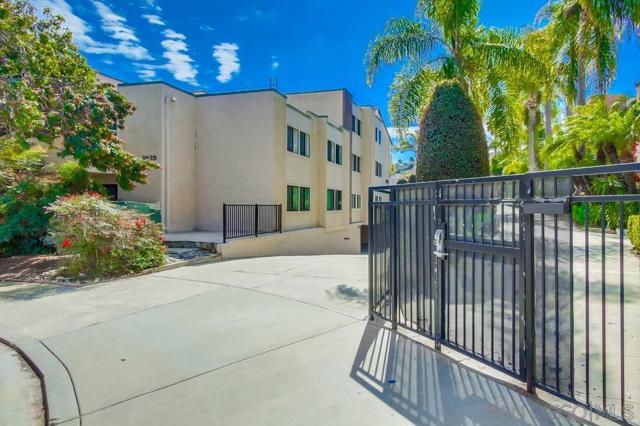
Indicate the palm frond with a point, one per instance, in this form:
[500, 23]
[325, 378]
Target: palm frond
[409, 93]
[450, 15]
[403, 39]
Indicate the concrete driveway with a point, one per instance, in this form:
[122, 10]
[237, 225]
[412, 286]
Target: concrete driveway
[269, 341]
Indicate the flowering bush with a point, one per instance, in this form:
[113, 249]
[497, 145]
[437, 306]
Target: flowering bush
[104, 240]
[633, 227]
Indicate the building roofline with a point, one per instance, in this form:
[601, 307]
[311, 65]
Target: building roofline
[241, 92]
[109, 76]
[148, 83]
[302, 92]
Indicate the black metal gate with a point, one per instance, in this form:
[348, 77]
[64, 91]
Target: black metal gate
[528, 278]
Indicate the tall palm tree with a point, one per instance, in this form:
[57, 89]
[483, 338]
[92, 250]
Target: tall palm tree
[584, 36]
[445, 41]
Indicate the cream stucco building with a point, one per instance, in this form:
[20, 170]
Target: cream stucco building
[315, 153]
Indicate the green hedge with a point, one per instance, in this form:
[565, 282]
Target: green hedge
[633, 228]
[451, 141]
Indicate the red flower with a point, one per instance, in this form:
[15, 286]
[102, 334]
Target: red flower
[66, 243]
[140, 222]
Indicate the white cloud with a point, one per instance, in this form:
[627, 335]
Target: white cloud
[207, 28]
[146, 71]
[274, 62]
[116, 26]
[176, 52]
[227, 56]
[127, 43]
[152, 4]
[154, 20]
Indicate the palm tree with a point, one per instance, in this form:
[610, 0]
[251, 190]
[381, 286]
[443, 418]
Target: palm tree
[584, 39]
[446, 42]
[606, 132]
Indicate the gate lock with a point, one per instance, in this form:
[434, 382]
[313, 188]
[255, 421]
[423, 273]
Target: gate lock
[438, 243]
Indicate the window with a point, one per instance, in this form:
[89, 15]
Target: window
[304, 145]
[355, 163]
[298, 198]
[334, 199]
[305, 199]
[377, 198]
[298, 142]
[293, 198]
[378, 136]
[334, 152]
[378, 169]
[356, 201]
[356, 125]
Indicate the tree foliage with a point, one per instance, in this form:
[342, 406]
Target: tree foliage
[28, 183]
[49, 95]
[451, 140]
[447, 42]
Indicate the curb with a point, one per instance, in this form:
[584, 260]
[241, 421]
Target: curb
[74, 284]
[36, 370]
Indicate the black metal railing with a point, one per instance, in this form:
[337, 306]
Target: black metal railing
[535, 276]
[250, 220]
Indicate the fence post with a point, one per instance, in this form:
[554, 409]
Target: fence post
[224, 223]
[528, 296]
[255, 224]
[394, 260]
[370, 221]
[439, 219]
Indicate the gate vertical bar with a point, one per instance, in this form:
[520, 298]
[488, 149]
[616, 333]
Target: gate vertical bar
[370, 250]
[393, 221]
[439, 316]
[527, 288]
[224, 223]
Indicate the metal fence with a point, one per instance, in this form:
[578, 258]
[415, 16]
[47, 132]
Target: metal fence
[530, 273]
[250, 220]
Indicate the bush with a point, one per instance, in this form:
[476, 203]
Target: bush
[633, 229]
[29, 185]
[451, 140]
[104, 240]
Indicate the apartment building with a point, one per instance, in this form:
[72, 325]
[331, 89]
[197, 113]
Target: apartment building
[314, 153]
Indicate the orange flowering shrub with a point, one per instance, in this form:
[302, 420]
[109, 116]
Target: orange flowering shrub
[104, 240]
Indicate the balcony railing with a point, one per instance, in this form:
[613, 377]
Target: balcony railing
[250, 220]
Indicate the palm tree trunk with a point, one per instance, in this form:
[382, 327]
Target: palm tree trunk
[548, 120]
[581, 95]
[532, 105]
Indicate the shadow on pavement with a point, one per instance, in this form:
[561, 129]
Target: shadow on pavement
[428, 388]
[15, 292]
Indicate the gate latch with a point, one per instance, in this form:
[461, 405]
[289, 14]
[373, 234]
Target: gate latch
[438, 243]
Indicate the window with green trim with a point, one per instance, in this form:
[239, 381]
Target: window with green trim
[334, 199]
[293, 198]
[305, 199]
[330, 199]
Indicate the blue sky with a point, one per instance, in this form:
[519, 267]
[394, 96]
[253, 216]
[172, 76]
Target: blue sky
[225, 45]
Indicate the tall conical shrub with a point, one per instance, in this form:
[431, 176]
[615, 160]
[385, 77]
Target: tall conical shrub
[451, 139]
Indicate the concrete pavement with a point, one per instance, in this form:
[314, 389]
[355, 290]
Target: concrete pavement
[267, 341]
